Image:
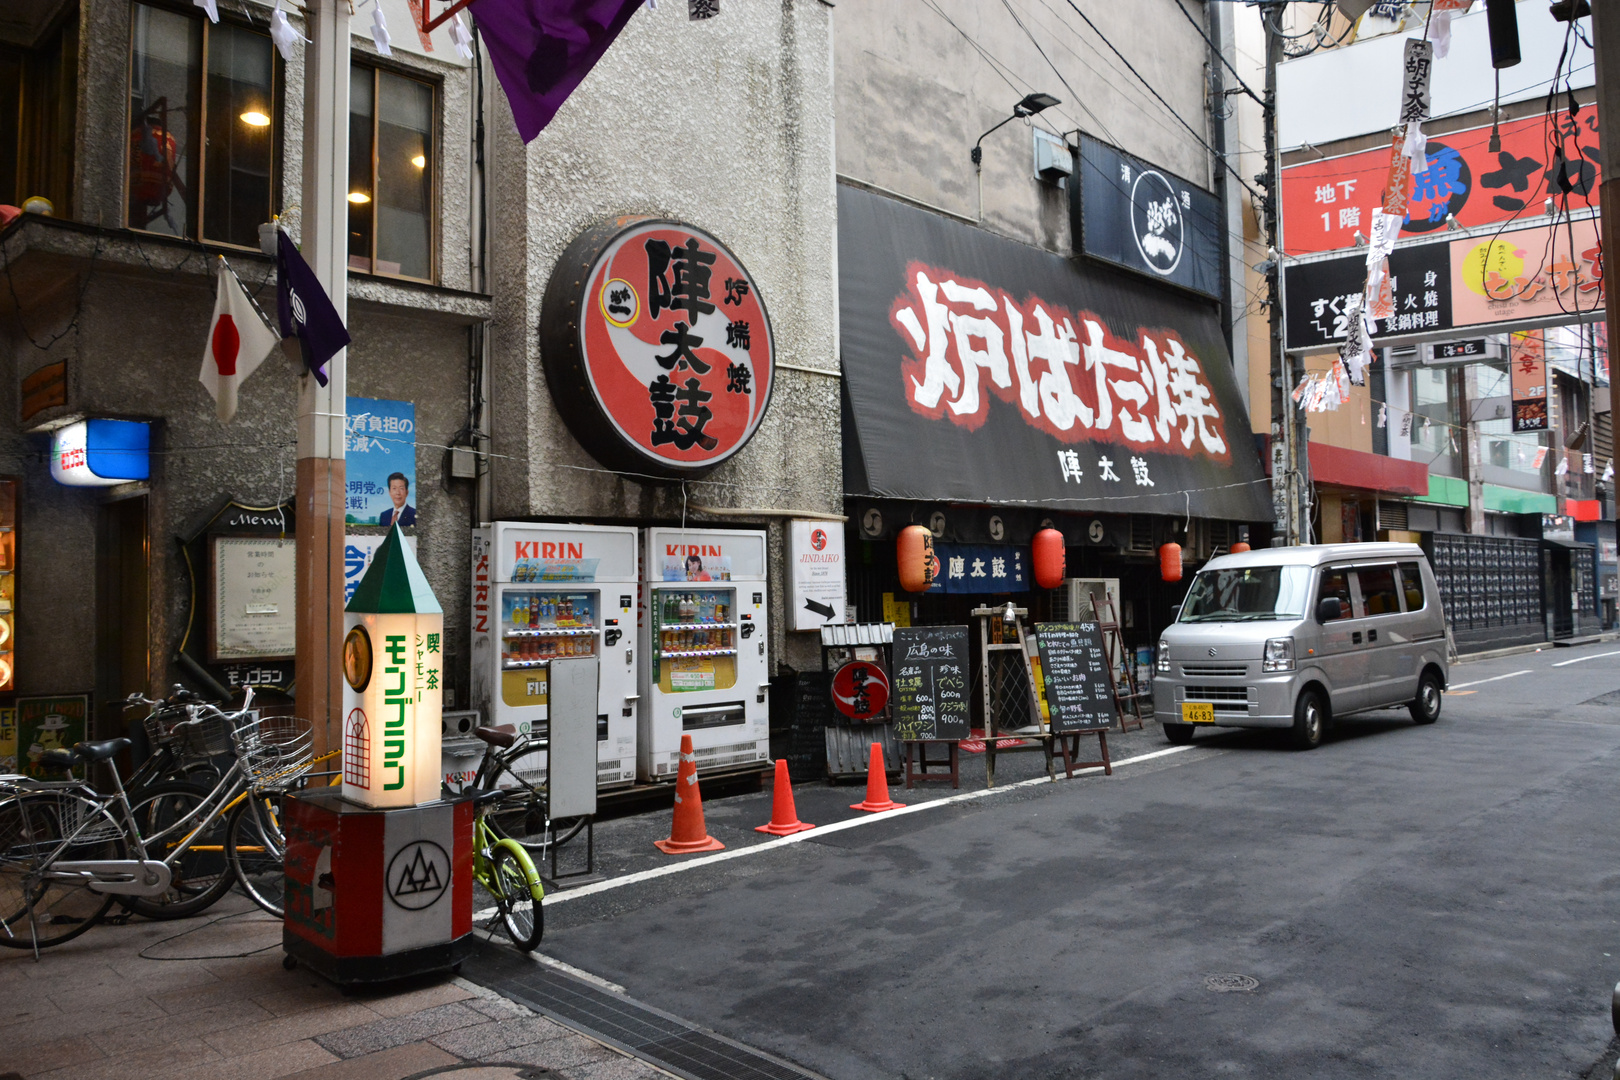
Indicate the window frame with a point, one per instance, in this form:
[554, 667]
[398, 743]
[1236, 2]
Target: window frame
[277, 105]
[376, 66]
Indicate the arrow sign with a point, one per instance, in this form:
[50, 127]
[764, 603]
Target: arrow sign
[823, 610]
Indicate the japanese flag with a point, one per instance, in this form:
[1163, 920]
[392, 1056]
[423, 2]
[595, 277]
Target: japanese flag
[238, 342]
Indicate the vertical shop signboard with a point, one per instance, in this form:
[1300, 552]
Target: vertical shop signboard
[816, 596]
[380, 462]
[1527, 363]
[931, 672]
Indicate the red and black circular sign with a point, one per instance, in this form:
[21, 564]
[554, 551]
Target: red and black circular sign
[657, 347]
[860, 690]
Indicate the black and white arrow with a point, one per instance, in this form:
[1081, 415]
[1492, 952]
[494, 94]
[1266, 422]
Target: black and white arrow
[823, 610]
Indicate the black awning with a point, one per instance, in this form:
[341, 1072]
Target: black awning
[979, 369]
[1572, 545]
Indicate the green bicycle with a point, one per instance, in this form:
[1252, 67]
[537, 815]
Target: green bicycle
[504, 869]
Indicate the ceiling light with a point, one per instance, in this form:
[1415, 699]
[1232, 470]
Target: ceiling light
[419, 161]
[255, 118]
[359, 198]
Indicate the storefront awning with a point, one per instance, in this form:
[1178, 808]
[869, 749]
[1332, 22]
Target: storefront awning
[1358, 469]
[978, 369]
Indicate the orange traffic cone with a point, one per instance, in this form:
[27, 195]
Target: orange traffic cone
[877, 786]
[688, 833]
[784, 818]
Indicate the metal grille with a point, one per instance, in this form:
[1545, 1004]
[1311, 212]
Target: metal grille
[1211, 671]
[648, 1033]
[1141, 534]
[1218, 694]
[1009, 691]
[1391, 515]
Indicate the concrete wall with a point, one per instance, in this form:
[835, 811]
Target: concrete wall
[725, 124]
[914, 93]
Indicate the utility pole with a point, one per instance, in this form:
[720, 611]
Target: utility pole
[321, 410]
[1606, 54]
[1285, 453]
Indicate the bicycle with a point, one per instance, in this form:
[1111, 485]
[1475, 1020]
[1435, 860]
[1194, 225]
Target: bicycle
[63, 854]
[178, 752]
[504, 869]
[512, 763]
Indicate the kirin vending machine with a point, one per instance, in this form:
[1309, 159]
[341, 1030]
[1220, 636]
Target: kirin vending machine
[706, 670]
[543, 592]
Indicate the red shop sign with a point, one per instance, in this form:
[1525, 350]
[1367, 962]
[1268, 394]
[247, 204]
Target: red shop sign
[860, 690]
[656, 347]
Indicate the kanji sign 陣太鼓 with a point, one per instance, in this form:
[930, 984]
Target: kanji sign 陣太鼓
[656, 347]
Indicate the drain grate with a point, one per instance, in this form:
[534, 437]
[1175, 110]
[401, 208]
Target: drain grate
[1231, 983]
[646, 1032]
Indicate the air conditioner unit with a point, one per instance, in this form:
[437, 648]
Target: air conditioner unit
[1073, 601]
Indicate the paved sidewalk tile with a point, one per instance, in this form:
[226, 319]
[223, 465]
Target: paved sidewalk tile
[396, 1004]
[384, 1065]
[44, 1054]
[489, 1039]
[157, 1061]
[164, 1030]
[266, 1064]
[277, 1030]
[399, 1030]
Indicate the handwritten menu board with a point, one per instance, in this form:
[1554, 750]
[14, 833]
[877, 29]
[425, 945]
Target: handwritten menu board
[1074, 667]
[931, 683]
[807, 728]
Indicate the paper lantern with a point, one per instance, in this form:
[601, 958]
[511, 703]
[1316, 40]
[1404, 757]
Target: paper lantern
[1170, 562]
[393, 668]
[914, 551]
[1240, 546]
[1048, 558]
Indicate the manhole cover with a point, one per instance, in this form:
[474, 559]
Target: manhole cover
[1230, 983]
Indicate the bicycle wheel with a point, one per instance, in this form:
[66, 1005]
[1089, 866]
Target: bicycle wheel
[32, 828]
[520, 913]
[166, 814]
[257, 850]
[523, 815]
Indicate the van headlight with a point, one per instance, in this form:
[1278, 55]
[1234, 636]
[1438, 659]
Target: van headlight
[1279, 655]
[1161, 663]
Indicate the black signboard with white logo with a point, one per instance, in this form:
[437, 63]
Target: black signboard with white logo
[1132, 213]
[1317, 296]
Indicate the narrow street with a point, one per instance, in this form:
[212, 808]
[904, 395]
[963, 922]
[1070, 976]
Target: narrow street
[1433, 902]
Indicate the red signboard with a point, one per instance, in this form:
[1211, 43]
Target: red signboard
[1527, 363]
[1325, 203]
[657, 347]
[860, 690]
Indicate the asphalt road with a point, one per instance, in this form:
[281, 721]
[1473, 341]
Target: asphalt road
[1434, 902]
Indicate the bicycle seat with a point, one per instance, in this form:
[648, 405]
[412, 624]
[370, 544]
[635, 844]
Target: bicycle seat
[99, 751]
[481, 797]
[503, 736]
[58, 759]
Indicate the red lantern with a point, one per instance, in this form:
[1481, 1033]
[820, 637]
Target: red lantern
[1239, 547]
[915, 552]
[1170, 562]
[1048, 557]
[153, 154]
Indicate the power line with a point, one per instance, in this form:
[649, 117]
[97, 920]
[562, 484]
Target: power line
[1216, 49]
[1073, 93]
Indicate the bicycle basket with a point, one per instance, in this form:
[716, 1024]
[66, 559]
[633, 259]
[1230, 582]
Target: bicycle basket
[208, 737]
[274, 751]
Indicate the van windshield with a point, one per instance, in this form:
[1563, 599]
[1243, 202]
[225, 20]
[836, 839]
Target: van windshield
[1248, 595]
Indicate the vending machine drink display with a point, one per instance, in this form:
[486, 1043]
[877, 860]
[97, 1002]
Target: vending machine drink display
[706, 672]
[545, 592]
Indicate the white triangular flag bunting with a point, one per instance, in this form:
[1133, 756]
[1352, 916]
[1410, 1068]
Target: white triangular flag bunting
[1562, 467]
[1608, 471]
[379, 31]
[210, 6]
[283, 34]
[461, 38]
[1416, 146]
[1383, 415]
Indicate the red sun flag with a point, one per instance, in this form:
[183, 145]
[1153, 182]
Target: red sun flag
[238, 342]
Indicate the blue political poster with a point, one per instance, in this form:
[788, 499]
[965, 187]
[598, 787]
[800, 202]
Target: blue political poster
[380, 447]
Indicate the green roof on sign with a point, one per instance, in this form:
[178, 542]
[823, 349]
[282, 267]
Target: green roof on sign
[394, 583]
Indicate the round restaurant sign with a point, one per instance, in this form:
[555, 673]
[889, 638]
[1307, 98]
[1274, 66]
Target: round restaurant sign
[656, 347]
[860, 690]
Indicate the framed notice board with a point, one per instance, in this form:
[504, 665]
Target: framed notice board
[254, 615]
[1074, 668]
[931, 676]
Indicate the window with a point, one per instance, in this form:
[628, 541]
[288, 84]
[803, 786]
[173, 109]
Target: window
[202, 127]
[1250, 594]
[39, 86]
[1336, 585]
[391, 165]
[1379, 596]
[1436, 410]
[1412, 584]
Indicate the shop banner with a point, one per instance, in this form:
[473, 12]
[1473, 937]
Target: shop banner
[980, 568]
[979, 369]
[1326, 202]
[1527, 365]
[1318, 295]
[380, 449]
[816, 595]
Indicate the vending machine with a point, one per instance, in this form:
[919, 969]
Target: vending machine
[706, 671]
[543, 592]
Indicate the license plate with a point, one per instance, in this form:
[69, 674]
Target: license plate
[1198, 712]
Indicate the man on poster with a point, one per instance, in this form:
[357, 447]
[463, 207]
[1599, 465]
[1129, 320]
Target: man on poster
[399, 490]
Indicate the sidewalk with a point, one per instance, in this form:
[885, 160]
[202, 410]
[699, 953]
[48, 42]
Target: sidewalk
[195, 1008]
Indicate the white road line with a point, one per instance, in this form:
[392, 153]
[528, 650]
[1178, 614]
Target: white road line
[1482, 682]
[1578, 659]
[823, 830]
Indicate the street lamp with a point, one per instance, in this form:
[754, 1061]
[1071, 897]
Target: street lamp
[1032, 104]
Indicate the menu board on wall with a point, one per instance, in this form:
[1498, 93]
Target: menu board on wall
[254, 610]
[1074, 667]
[931, 674]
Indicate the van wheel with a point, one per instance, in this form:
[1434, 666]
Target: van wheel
[1178, 734]
[1310, 720]
[1425, 708]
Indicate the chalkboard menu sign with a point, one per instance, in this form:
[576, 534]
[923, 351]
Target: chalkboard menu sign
[931, 683]
[807, 731]
[1074, 667]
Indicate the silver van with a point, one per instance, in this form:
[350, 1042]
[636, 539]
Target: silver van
[1292, 637]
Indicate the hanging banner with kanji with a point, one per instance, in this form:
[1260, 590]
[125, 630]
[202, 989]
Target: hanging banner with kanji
[1527, 364]
[656, 347]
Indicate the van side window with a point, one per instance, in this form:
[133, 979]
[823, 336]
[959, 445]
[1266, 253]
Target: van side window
[1336, 584]
[1412, 584]
[1378, 591]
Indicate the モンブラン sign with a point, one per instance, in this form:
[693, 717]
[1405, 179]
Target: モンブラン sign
[657, 347]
